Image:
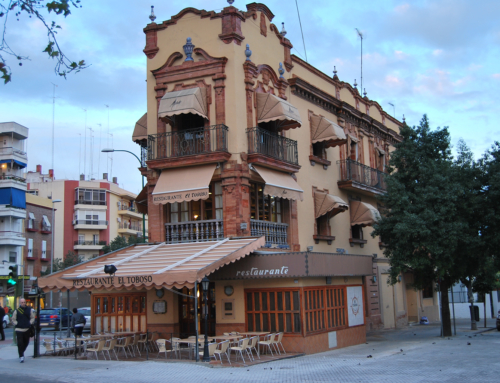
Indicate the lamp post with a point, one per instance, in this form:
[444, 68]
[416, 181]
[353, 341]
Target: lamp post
[52, 244]
[109, 150]
[205, 282]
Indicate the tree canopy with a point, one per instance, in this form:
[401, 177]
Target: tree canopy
[435, 213]
[70, 259]
[121, 242]
[35, 9]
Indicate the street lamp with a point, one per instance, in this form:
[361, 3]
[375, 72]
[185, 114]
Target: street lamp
[109, 150]
[52, 244]
[205, 282]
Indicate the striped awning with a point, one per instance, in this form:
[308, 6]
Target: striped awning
[153, 266]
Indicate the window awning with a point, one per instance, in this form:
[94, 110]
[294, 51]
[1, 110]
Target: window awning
[184, 101]
[141, 201]
[31, 215]
[272, 108]
[46, 221]
[153, 266]
[183, 184]
[326, 203]
[279, 184]
[323, 130]
[141, 129]
[380, 150]
[363, 214]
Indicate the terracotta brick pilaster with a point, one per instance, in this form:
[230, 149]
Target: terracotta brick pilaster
[151, 48]
[220, 97]
[251, 71]
[156, 213]
[236, 199]
[231, 26]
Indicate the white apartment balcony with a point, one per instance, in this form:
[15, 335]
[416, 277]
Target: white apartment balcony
[90, 205]
[130, 212]
[12, 179]
[89, 224]
[88, 245]
[14, 212]
[12, 238]
[13, 153]
[133, 228]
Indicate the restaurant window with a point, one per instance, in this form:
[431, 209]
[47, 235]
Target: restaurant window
[265, 207]
[201, 210]
[325, 308]
[273, 310]
[119, 312]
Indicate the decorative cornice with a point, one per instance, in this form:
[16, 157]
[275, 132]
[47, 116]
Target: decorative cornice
[259, 7]
[173, 20]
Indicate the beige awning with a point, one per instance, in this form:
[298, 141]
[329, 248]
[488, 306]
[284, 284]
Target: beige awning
[353, 137]
[141, 201]
[141, 129]
[380, 150]
[326, 203]
[183, 184]
[184, 101]
[363, 214]
[152, 266]
[279, 184]
[272, 108]
[323, 130]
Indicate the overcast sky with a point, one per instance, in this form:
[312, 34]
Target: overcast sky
[439, 57]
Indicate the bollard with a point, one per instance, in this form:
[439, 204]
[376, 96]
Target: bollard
[147, 348]
[75, 344]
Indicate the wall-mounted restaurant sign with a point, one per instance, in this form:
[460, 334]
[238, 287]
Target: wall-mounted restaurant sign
[105, 281]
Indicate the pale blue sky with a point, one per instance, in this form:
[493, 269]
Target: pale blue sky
[438, 57]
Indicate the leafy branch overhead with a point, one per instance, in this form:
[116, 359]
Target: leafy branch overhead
[34, 9]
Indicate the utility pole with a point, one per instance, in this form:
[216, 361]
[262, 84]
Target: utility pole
[85, 145]
[91, 152]
[107, 143]
[99, 156]
[53, 120]
[361, 37]
[393, 109]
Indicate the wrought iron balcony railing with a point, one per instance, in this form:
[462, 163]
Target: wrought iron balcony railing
[194, 231]
[270, 144]
[354, 171]
[188, 142]
[90, 243]
[276, 233]
[130, 226]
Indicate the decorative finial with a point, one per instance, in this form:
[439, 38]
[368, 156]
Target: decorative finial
[355, 85]
[334, 71]
[404, 119]
[283, 31]
[364, 93]
[188, 49]
[248, 53]
[281, 70]
[152, 16]
[230, 2]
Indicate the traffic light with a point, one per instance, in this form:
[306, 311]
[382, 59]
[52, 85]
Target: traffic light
[12, 276]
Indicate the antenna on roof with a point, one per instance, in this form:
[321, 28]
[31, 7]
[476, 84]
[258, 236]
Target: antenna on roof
[361, 37]
[393, 109]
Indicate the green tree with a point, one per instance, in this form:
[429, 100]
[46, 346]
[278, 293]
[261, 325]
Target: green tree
[121, 242]
[70, 259]
[35, 9]
[420, 226]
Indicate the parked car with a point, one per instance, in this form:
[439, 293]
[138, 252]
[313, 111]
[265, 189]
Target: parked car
[57, 318]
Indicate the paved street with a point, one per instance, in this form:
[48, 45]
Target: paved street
[412, 354]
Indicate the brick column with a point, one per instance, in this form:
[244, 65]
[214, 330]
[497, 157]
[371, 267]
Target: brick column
[156, 214]
[220, 97]
[251, 71]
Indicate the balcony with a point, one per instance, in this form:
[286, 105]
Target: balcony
[273, 150]
[188, 147]
[128, 210]
[46, 229]
[11, 211]
[276, 233]
[90, 224]
[32, 254]
[13, 180]
[361, 178]
[88, 245]
[11, 153]
[31, 224]
[131, 228]
[194, 231]
[12, 238]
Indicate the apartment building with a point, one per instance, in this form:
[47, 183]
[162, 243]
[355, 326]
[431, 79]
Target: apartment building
[91, 213]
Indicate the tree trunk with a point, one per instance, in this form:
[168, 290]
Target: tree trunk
[445, 308]
[473, 324]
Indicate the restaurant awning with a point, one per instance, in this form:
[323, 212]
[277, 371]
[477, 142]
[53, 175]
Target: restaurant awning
[326, 203]
[323, 130]
[272, 108]
[363, 214]
[279, 184]
[184, 101]
[141, 201]
[153, 266]
[141, 129]
[182, 184]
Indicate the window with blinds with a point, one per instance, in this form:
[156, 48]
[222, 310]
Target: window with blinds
[325, 308]
[274, 310]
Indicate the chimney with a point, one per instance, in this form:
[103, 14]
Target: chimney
[82, 177]
[39, 169]
[51, 172]
[105, 176]
[115, 180]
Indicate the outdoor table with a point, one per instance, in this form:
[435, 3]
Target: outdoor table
[191, 341]
[255, 333]
[227, 337]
